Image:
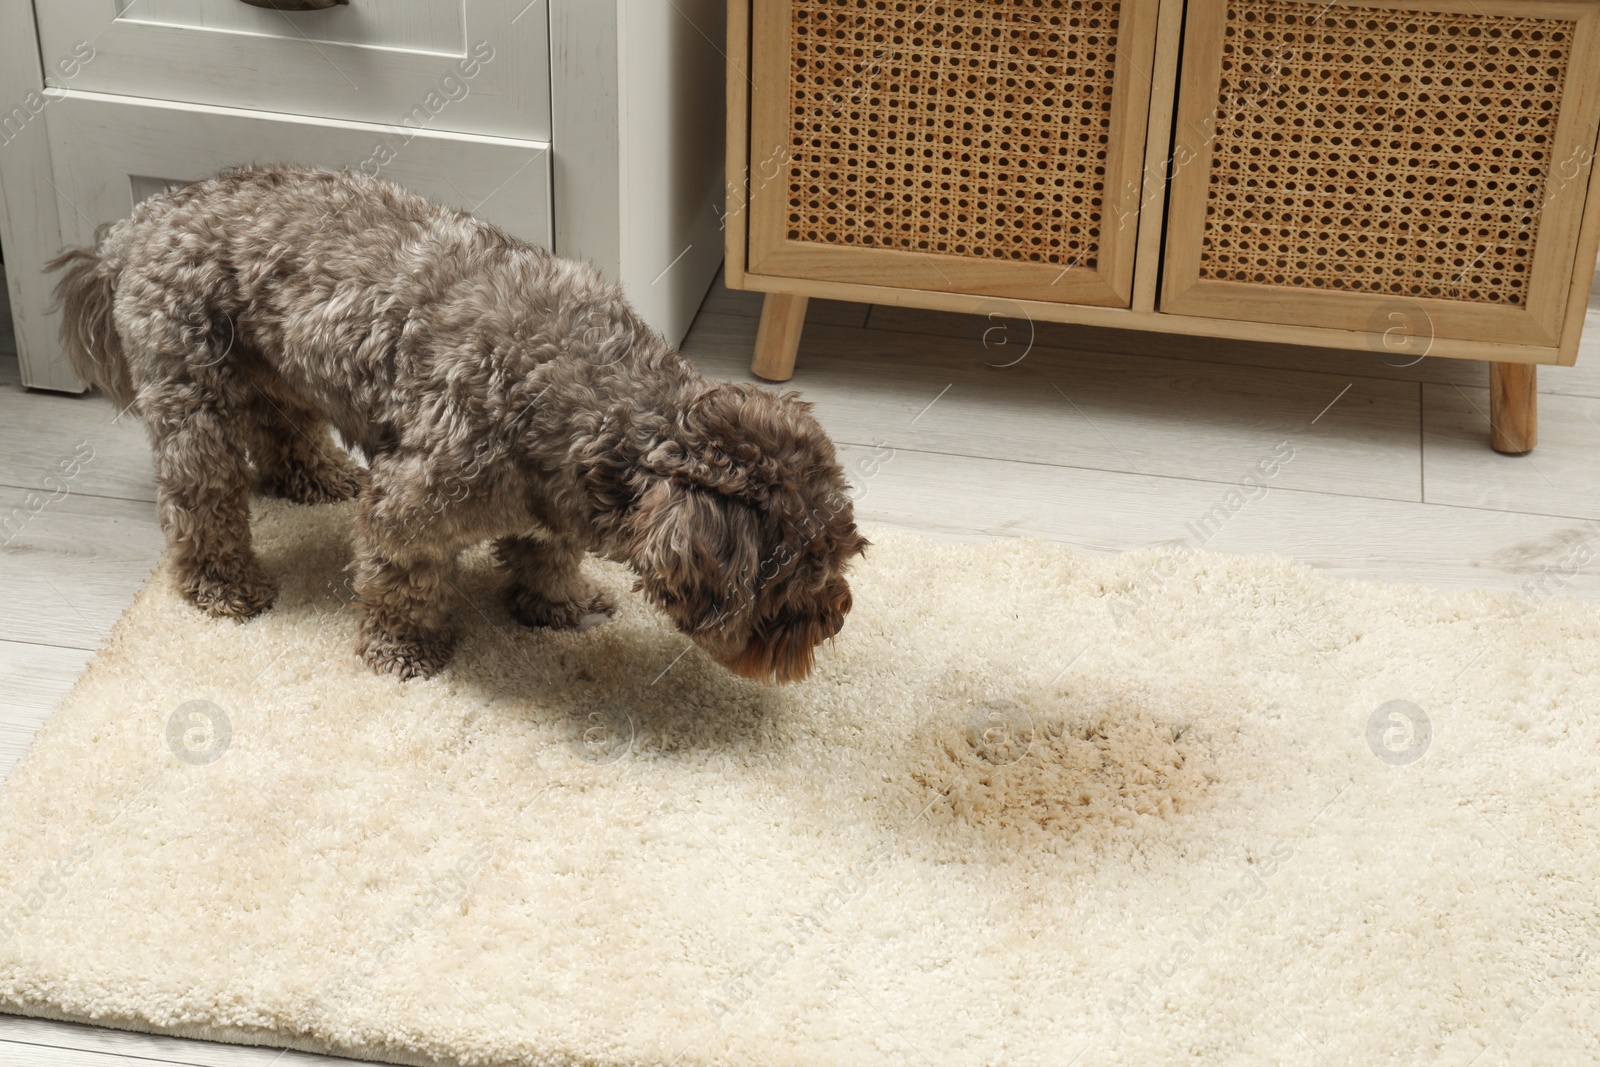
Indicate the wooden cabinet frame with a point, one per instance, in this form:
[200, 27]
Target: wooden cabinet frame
[1107, 282]
[1538, 321]
[1166, 293]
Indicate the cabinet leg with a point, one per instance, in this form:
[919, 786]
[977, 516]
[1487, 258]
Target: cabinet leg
[1513, 407]
[782, 318]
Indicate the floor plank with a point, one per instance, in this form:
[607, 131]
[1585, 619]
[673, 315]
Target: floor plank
[71, 567]
[1017, 331]
[1101, 511]
[58, 442]
[1134, 414]
[33, 679]
[45, 1043]
[1559, 477]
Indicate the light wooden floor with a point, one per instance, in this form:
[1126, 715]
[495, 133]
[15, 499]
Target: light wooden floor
[1100, 440]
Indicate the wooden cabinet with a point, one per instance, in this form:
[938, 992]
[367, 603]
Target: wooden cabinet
[1408, 176]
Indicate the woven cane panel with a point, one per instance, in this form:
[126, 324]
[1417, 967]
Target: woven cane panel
[975, 129]
[1396, 152]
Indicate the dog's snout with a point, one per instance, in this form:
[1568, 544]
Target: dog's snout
[838, 624]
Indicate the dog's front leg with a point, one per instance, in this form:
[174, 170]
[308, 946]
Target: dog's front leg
[404, 559]
[545, 587]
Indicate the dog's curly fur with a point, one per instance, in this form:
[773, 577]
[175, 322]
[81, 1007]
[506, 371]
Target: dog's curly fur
[496, 391]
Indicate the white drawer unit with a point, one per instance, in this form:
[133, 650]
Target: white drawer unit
[472, 66]
[591, 127]
[111, 152]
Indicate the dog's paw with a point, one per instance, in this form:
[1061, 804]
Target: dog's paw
[581, 613]
[324, 483]
[236, 592]
[405, 658]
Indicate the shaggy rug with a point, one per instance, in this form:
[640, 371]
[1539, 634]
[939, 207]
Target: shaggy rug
[1034, 808]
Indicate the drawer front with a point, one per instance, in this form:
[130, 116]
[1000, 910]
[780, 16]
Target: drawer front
[988, 148]
[469, 66]
[1380, 166]
[108, 153]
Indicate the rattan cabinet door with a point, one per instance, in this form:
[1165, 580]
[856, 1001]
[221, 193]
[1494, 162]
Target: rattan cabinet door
[988, 148]
[1337, 164]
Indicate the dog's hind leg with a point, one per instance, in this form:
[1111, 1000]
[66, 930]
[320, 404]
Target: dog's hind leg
[405, 554]
[295, 455]
[202, 494]
[544, 585]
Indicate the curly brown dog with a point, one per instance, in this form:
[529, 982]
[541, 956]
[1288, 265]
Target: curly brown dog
[496, 391]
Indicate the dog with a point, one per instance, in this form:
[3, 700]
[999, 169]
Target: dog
[495, 390]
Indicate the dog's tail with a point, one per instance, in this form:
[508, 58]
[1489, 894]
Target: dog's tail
[88, 337]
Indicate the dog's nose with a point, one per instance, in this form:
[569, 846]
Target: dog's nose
[838, 624]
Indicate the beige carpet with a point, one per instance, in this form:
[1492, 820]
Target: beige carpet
[1035, 808]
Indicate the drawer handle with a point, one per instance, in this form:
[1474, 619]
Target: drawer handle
[296, 5]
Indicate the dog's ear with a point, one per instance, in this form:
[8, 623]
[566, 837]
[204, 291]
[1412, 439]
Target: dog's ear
[697, 552]
[730, 440]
